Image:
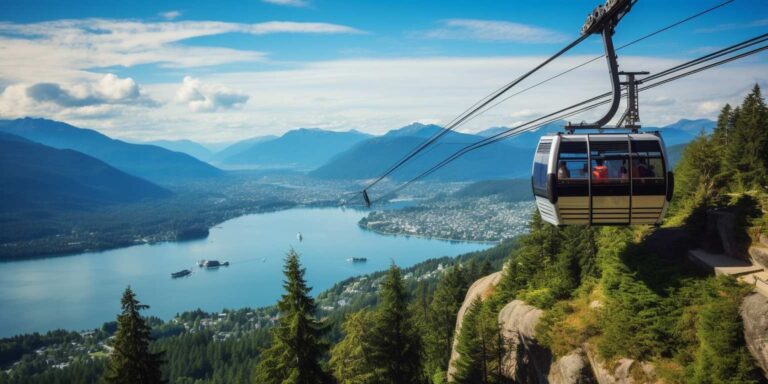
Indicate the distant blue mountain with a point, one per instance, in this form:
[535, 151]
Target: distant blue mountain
[37, 177]
[189, 147]
[684, 131]
[300, 149]
[371, 157]
[239, 147]
[528, 139]
[146, 161]
[694, 127]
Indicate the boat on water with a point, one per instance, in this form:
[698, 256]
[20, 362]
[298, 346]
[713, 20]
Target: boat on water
[358, 259]
[212, 264]
[182, 273]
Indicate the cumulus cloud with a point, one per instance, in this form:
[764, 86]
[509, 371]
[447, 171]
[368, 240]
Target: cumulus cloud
[494, 30]
[288, 3]
[82, 98]
[207, 98]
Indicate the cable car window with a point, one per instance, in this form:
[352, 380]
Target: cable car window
[610, 162]
[572, 169]
[540, 168]
[647, 161]
[572, 162]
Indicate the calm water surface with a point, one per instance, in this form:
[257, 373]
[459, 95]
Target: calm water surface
[83, 291]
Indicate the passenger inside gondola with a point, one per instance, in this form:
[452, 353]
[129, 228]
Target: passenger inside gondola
[563, 172]
[600, 172]
[624, 172]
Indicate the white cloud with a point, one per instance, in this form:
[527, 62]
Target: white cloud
[376, 95]
[494, 30]
[82, 98]
[207, 98]
[170, 15]
[63, 50]
[289, 3]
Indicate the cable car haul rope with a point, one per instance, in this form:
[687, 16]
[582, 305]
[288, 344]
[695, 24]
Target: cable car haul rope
[595, 177]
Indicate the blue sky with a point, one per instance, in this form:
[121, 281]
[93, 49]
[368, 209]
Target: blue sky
[219, 71]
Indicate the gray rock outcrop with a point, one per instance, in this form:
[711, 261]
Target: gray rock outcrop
[621, 372]
[754, 314]
[724, 225]
[759, 255]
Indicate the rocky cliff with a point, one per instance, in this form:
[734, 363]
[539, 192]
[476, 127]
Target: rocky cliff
[483, 287]
[527, 361]
[754, 313]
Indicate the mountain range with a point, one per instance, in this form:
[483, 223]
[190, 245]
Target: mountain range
[373, 156]
[238, 147]
[36, 176]
[146, 161]
[189, 147]
[323, 154]
[302, 149]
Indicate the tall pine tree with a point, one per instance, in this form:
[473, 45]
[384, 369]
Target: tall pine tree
[350, 358]
[746, 155]
[395, 342]
[441, 320]
[480, 346]
[131, 361]
[296, 345]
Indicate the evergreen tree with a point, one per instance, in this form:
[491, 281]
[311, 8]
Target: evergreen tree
[395, 342]
[131, 361]
[537, 250]
[296, 346]
[441, 321]
[722, 356]
[724, 126]
[350, 358]
[746, 155]
[696, 176]
[480, 346]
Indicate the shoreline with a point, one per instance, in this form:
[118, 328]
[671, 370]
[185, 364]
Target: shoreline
[64, 252]
[387, 233]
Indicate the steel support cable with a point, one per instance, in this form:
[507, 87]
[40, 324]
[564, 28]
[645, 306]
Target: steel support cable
[625, 45]
[688, 64]
[528, 127]
[469, 112]
[639, 39]
[450, 159]
[474, 110]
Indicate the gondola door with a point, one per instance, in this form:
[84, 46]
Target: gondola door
[609, 179]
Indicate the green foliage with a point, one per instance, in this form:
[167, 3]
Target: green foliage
[733, 159]
[350, 358]
[746, 150]
[550, 263]
[396, 346]
[480, 346]
[131, 360]
[441, 320]
[721, 356]
[295, 354]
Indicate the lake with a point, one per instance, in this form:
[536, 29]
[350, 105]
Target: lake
[83, 291]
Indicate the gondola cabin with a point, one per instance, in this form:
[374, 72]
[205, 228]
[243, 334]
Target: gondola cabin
[602, 179]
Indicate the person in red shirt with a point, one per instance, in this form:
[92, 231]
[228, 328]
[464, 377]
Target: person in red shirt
[600, 172]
